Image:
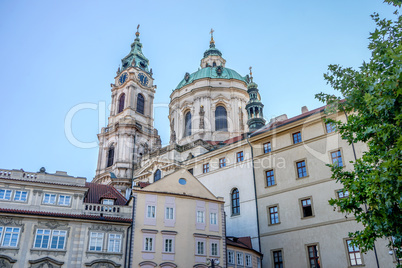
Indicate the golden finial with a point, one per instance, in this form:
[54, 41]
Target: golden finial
[251, 73]
[137, 33]
[212, 36]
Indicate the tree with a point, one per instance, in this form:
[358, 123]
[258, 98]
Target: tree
[371, 97]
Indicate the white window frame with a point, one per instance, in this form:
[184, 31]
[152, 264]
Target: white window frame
[114, 243]
[57, 234]
[151, 211]
[3, 197]
[213, 218]
[42, 233]
[149, 244]
[49, 197]
[64, 198]
[239, 261]
[202, 243]
[169, 213]
[14, 231]
[200, 216]
[216, 245]
[94, 239]
[166, 246]
[231, 257]
[109, 202]
[21, 193]
[249, 260]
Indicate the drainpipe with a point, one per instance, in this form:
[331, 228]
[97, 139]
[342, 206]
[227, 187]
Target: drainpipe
[255, 195]
[126, 251]
[365, 205]
[130, 255]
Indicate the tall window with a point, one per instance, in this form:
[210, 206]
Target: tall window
[11, 236]
[240, 156]
[169, 213]
[273, 215]
[205, 168]
[114, 243]
[337, 158]
[121, 102]
[222, 162]
[168, 245]
[231, 257]
[270, 177]
[64, 200]
[5, 194]
[96, 241]
[297, 137]
[149, 244]
[140, 104]
[306, 207]
[355, 257]
[157, 175]
[239, 258]
[187, 124]
[49, 199]
[235, 202]
[221, 122]
[248, 261]
[278, 262]
[314, 256]
[110, 156]
[214, 249]
[20, 196]
[331, 127]
[200, 248]
[213, 218]
[200, 216]
[267, 147]
[301, 169]
[151, 212]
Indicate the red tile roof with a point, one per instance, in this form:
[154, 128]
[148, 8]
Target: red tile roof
[97, 192]
[63, 215]
[241, 242]
[143, 184]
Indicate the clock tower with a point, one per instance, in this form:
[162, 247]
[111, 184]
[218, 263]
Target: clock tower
[130, 133]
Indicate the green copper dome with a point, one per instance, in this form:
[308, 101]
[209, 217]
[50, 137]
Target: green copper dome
[211, 72]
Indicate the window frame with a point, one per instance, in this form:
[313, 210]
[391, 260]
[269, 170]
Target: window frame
[297, 168]
[205, 168]
[235, 206]
[48, 203]
[110, 156]
[340, 155]
[239, 156]
[120, 239]
[140, 108]
[5, 194]
[271, 176]
[233, 257]
[213, 220]
[248, 256]
[301, 207]
[97, 239]
[165, 240]
[169, 211]
[345, 241]
[107, 201]
[12, 233]
[221, 120]
[222, 162]
[200, 216]
[198, 252]
[332, 127]
[273, 251]
[269, 214]
[297, 141]
[307, 246]
[187, 124]
[237, 258]
[149, 213]
[149, 244]
[121, 103]
[267, 147]
[216, 243]
[65, 196]
[21, 191]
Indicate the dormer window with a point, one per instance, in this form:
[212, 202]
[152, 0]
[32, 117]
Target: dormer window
[109, 202]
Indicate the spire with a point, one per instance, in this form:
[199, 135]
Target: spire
[254, 106]
[212, 42]
[135, 58]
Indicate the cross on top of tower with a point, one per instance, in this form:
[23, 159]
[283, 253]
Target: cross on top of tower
[212, 42]
[137, 33]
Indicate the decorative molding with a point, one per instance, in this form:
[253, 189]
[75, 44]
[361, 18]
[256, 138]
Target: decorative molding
[6, 221]
[46, 260]
[102, 263]
[48, 252]
[52, 224]
[106, 228]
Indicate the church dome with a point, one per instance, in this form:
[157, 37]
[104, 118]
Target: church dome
[217, 72]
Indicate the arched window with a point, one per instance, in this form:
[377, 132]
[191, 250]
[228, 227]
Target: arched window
[221, 122]
[121, 102]
[110, 156]
[214, 64]
[187, 124]
[235, 202]
[140, 104]
[157, 175]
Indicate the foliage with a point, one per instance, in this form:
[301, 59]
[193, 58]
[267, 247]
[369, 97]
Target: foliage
[372, 98]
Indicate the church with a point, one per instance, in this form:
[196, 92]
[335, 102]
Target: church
[272, 176]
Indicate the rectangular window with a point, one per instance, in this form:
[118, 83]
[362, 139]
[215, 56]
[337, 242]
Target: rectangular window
[96, 241]
[42, 238]
[297, 137]
[222, 162]
[239, 257]
[64, 200]
[200, 216]
[213, 218]
[248, 260]
[267, 147]
[114, 243]
[273, 215]
[151, 212]
[5, 194]
[205, 168]
[355, 257]
[314, 256]
[214, 249]
[343, 193]
[168, 245]
[240, 156]
[331, 127]
[11, 236]
[49, 199]
[58, 239]
[301, 169]
[109, 202]
[231, 257]
[169, 213]
[337, 158]
[270, 177]
[306, 207]
[149, 244]
[278, 262]
[20, 196]
[200, 248]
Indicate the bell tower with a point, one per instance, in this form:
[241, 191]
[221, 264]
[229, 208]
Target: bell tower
[254, 106]
[130, 133]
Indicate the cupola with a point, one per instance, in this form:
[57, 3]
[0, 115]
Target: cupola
[135, 58]
[212, 56]
[254, 106]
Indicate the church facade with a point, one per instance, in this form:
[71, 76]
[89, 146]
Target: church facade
[273, 177]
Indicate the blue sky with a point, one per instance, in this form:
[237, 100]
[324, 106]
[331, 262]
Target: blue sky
[56, 55]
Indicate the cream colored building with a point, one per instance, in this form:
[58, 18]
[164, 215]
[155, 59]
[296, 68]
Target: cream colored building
[55, 220]
[178, 223]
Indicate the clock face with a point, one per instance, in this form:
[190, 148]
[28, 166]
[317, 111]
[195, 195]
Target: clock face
[143, 79]
[122, 78]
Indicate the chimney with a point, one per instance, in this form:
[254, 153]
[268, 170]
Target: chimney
[304, 109]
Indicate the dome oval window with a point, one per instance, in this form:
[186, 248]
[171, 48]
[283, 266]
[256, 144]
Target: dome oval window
[182, 181]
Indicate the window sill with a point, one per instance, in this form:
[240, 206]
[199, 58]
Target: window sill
[271, 186]
[144, 251]
[308, 217]
[273, 224]
[235, 215]
[302, 177]
[103, 252]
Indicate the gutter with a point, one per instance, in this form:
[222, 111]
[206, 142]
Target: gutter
[255, 195]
